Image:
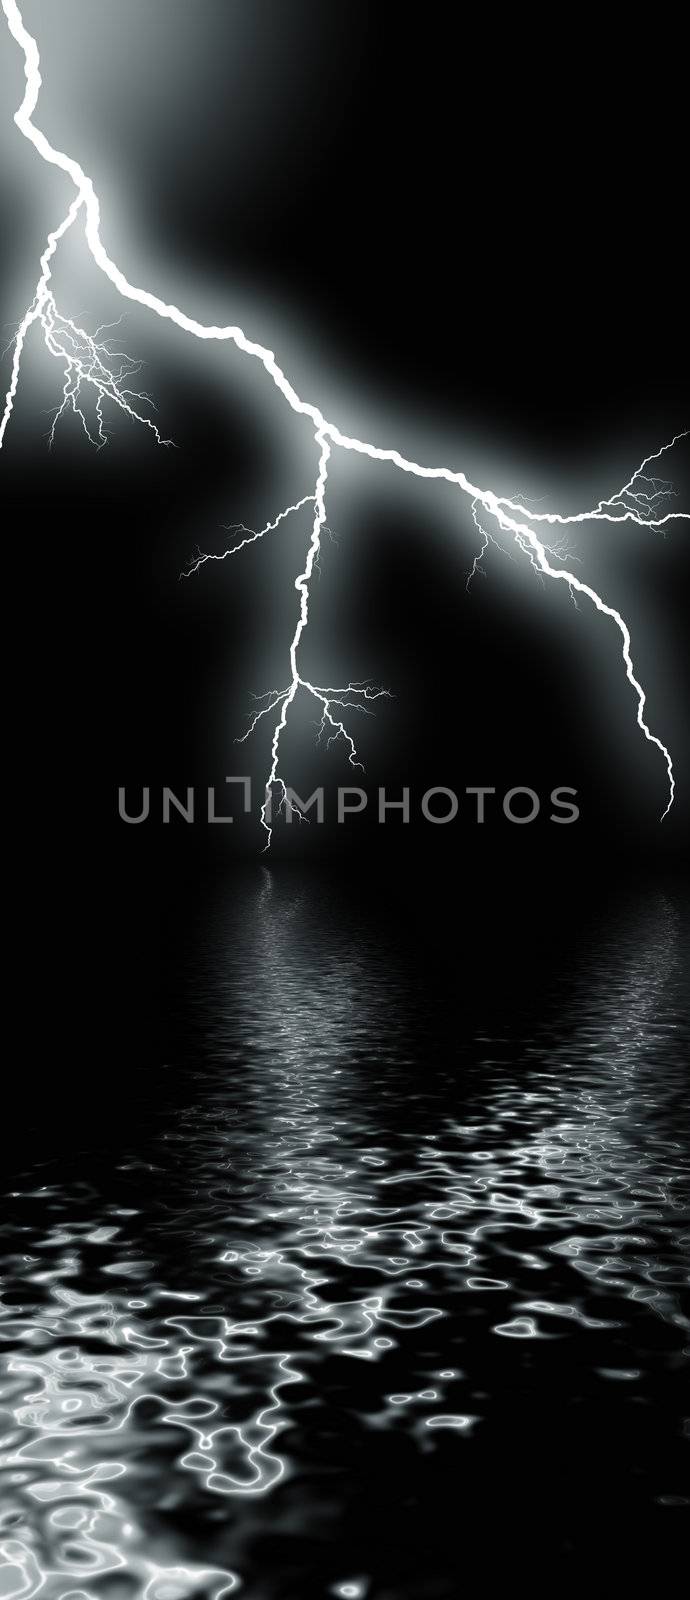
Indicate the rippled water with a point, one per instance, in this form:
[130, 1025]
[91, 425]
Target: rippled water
[402, 1260]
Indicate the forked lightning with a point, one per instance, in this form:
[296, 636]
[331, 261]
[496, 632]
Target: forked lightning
[90, 364]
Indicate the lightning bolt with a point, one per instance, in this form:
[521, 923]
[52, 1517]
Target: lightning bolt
[88, 360]
[353, 697]
[88, 363]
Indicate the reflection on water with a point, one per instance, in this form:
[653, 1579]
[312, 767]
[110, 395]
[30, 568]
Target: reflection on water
[385, 1256]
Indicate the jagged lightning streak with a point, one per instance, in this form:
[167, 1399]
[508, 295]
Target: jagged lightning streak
[200, 560]
[352, 697]
[324, 696]
[87, 359]
[641, 500]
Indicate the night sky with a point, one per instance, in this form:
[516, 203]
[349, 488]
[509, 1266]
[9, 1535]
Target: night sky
[463, 235]
[456, 243]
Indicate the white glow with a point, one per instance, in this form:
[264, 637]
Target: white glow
[641, 500]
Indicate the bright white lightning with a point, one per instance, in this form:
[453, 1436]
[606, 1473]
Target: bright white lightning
[353, 697]
[641, 500]
[88, 360]
[250, 537]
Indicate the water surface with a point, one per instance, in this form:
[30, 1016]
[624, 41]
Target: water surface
[398, 1259]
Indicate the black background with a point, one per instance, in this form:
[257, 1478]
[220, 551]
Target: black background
[477, 228]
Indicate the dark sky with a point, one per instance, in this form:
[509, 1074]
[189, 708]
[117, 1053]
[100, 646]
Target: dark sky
[463, 240]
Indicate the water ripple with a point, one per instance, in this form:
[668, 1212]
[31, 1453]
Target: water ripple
[328, 1247]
